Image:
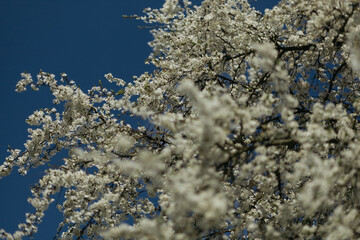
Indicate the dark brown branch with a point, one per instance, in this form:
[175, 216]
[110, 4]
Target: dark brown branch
[337, 71]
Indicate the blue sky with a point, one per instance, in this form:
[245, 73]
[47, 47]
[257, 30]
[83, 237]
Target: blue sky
[84, 39]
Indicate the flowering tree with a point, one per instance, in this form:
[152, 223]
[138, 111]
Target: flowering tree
[252, 130]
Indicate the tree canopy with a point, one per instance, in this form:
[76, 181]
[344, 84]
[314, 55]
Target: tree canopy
[250, 131]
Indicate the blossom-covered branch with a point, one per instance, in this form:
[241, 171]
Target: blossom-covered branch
[251, 131]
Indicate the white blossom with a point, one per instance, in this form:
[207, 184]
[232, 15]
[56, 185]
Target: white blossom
[251, 124]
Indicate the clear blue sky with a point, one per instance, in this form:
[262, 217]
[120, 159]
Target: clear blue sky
[84, 39]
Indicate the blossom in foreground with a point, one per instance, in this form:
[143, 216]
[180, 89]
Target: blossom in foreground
[252, 131]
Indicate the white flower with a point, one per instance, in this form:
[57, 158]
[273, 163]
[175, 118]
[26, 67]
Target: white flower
[170, 7]
[354, 44]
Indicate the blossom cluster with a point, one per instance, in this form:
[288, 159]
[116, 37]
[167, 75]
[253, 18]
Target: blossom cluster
[251, 131]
